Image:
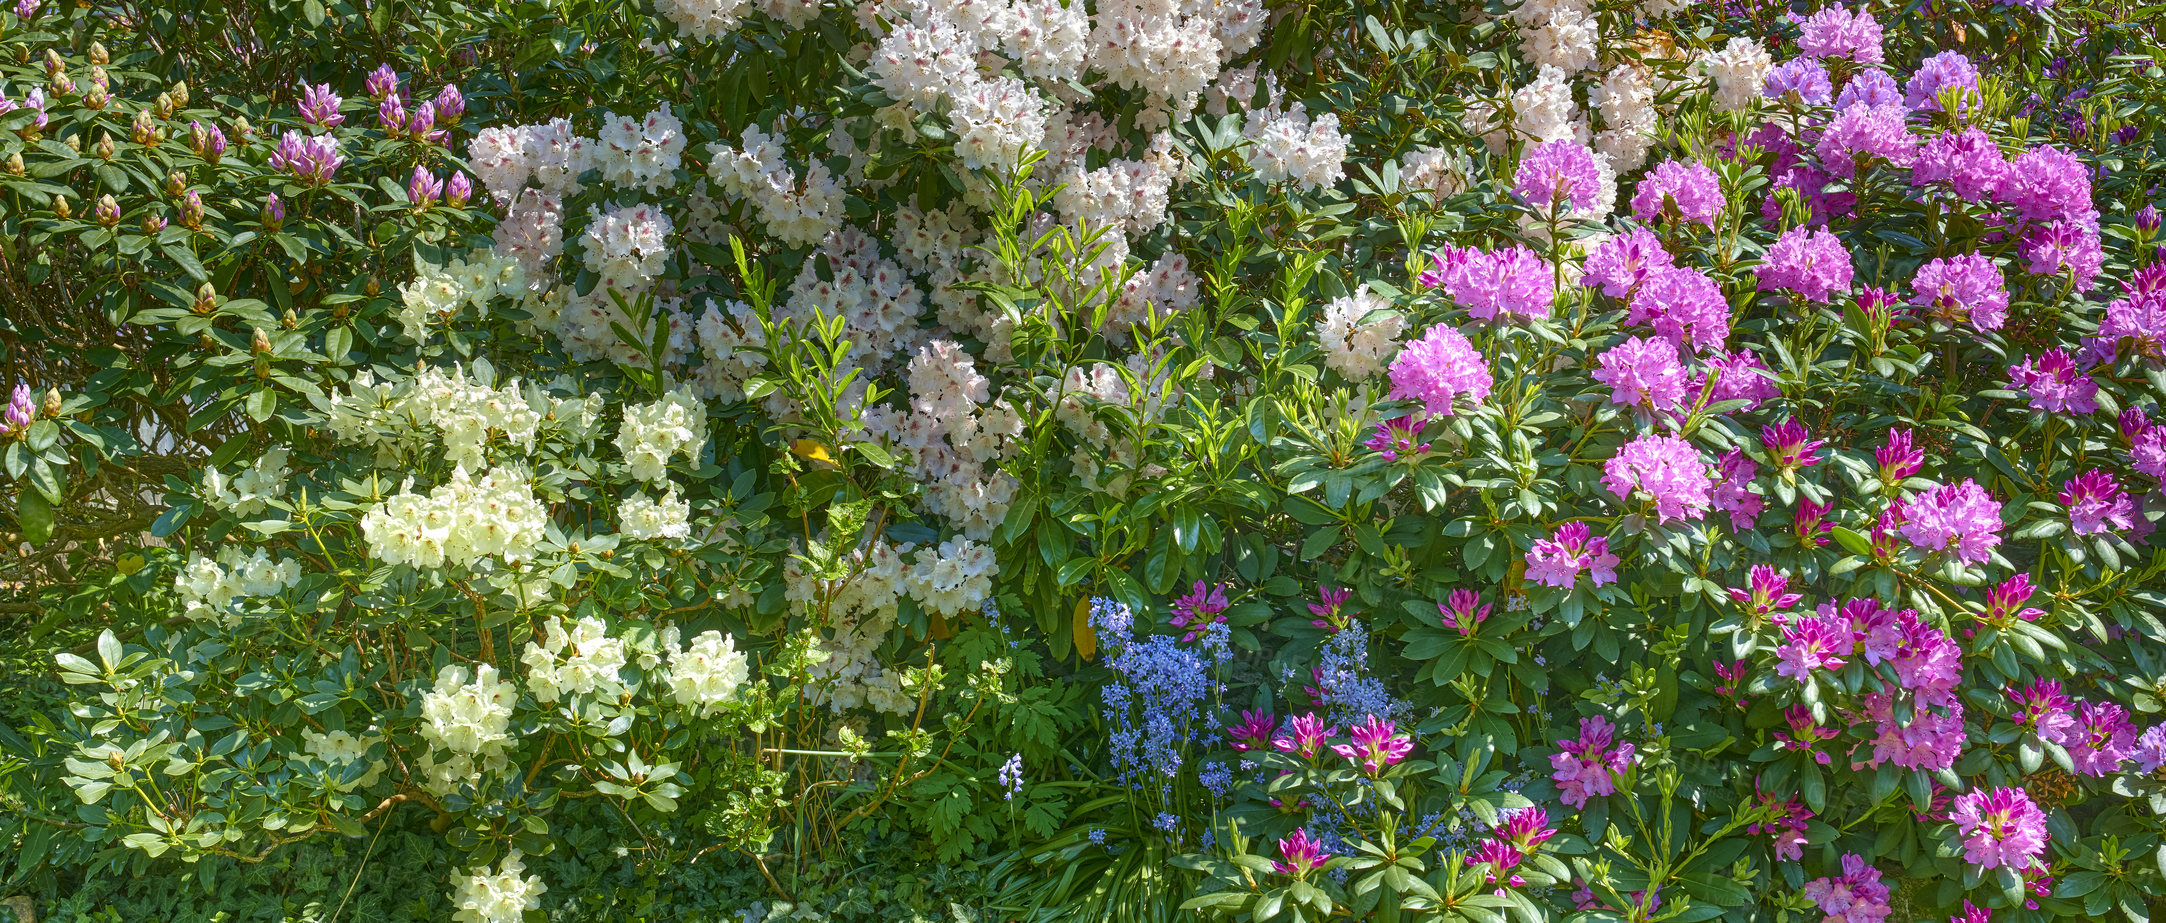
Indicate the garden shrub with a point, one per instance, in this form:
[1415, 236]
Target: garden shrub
[1271, 461]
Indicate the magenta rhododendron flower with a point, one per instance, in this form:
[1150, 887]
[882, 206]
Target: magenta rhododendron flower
[1684, 306]
[1304, 735]
[1804, 76]
[1685, 190]
[2046, 183]
[1790, 445]
[1501, 856]
[1897, 458]
[1643, 372]
[1462, 611]
[1561, 173]
[2069, 246]
[1869, 88]
[312, 160]
[1375, 744]
[1862, 135]
[1809, 524]
[1805, 733]
[1856, 896]
[1202, 606]
[2005, 601]
[1588, 766]
[2097, 504]
[2001, 828]
[1329, 608]
[1525, 828]
[319, 107]
[2150, 752]
[1960, 519]
[1766, 592]
[1253, 731]
[1439, 367]
[1508, 283]
[1738, 376]
[1398, 437]
[1558, 560]
[1814, 264]
[2056, 384]
[1941, 73]
[382, 82]
[1932, 739]
[1300, 854]
[1786, 829]
[1620, 263]
[1835, 32]
[1815, 642]
[1733, 492]
[2102, 739]
[2044, 709]
[1967, 161]
[1668, 469]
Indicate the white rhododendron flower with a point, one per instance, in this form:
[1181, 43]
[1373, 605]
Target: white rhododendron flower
[706, 674]
[502, 896]
[654, 433]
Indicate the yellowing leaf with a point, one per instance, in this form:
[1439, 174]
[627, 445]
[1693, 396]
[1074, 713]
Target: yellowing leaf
[1086, 640]
[811, 450]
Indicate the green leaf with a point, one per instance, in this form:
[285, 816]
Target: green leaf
[262, 404]
[179, 253]
[109, 650]
[36, 515]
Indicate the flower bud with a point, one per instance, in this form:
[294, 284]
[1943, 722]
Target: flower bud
[20, 411]
[176, 183]
[180, 95]
[423, 188]
[191, 211]
[274, 214]
[422, 122]
[144, 131]
[466, 56]
[458, 190]
[107, 211]
[290, 320]
[75, 142]
[450, 105]
[98, 54]
[153, 223]
[2147, 221]
[99, 79]
[97, 98]
[372, 289]
[382, 82]
[54, 66]
[103, 150]
[52, 402]
[391, 114]
[163, 106]
[60, 206]
[15, 164]
[260, 344]
[243, 132]
[206, 299]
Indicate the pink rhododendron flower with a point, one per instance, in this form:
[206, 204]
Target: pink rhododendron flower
[2001, 828]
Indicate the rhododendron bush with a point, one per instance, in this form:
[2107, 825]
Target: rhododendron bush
[1265, 461]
